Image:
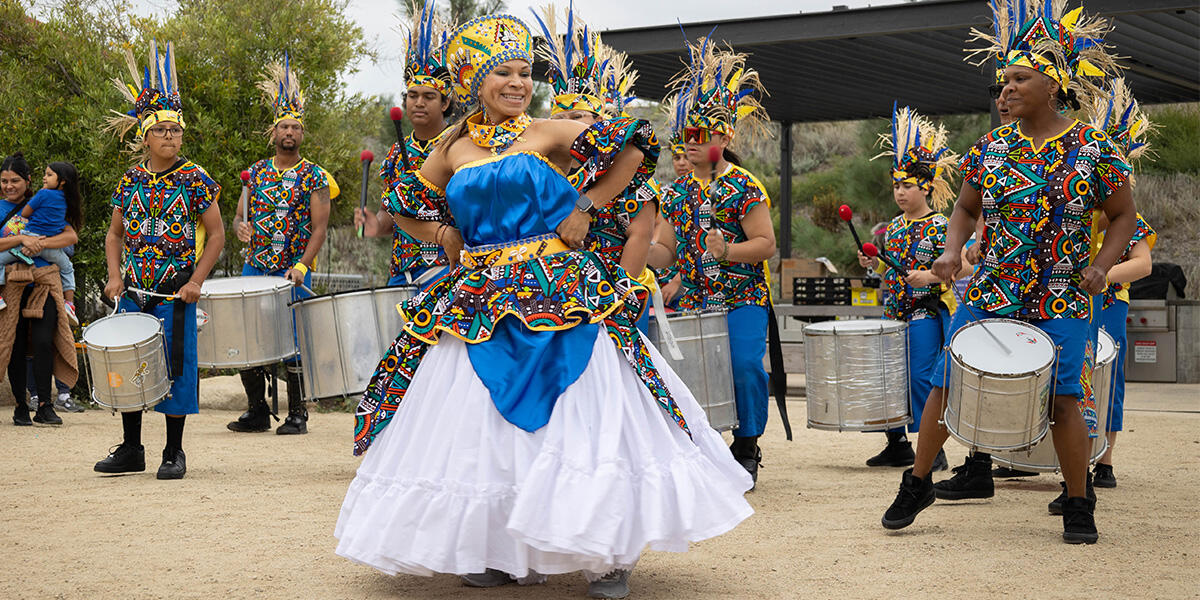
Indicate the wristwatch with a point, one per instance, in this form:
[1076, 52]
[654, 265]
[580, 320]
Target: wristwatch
[584, 204]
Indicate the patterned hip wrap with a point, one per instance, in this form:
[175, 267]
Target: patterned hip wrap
[495, 255]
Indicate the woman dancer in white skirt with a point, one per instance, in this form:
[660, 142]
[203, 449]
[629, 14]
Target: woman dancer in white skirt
[537, 436]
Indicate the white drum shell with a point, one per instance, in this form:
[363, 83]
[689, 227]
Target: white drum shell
[706, 367]
[126, 361]
[1042, 457]
[999, 412]
[343, 336]
[249, 324]
[856, 375]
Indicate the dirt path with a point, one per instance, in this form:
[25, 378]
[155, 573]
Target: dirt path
[254, 519]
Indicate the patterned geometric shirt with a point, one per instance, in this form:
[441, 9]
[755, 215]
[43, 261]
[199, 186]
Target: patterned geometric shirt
[607, 234]
[1038, 205]
[280, 212]
[160, 215]
[408, 252]
[913, 245]
[692, 211]
[1120, 291]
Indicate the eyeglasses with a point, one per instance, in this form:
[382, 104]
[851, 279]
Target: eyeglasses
[696, 135]
[995, 89]
[163, 131]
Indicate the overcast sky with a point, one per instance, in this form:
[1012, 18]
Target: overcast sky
[380, 23]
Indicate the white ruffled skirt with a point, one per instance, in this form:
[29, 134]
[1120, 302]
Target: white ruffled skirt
[451, 487]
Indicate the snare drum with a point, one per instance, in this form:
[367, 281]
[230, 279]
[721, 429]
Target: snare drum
[706, 369]
[1042, 457]
[998, 401]
[249, 322]
[342, 337]
[857, 375]
[127, 361]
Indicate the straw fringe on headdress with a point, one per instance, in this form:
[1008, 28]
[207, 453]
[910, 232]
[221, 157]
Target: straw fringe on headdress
[281, 91]
[919, 155]
[1118, 115]
[717, 92]
[156, 101]
[617, 82]
[424, 60]
[1068, 48]
[576, 61]
[676, 116]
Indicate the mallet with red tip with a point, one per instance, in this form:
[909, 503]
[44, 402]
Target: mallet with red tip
[367, 156]
[397, 115]
[245, 201]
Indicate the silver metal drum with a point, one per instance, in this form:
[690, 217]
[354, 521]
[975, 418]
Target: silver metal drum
[998, 401]
[249, 322]
[1042, 457]
[857, 375]
[343, 336]
[127, 361]
[706, 369]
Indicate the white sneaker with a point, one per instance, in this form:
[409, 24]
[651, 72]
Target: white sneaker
[65, 402]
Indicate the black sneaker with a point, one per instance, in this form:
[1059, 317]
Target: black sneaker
[255, 420]
[174, 464]
[1103, 477]
[1079, 521]
[488, 578]
[613, 585]
[939, 462]
[21, 416]
[123, 459]
[1009, 472]
[971, 480]
[895, 454]
[914, 496]
[1056, 505]
[750, 463]
[46, 416]
[294, 424]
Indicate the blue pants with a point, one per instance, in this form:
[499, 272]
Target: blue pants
[925, 340]
[297, 294]
[184, 398]
[747, 345]
[408, 277]
[53, 256]
[60, 387]
[1112, 319]
[643, 324]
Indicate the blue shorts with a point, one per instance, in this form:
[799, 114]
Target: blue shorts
[1075, 339]
[184, 398]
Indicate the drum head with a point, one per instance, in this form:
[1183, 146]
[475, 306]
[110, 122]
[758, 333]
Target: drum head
[1106, 349]
[1032, 350]
[238, 285]
[121, 329]
[853, 327]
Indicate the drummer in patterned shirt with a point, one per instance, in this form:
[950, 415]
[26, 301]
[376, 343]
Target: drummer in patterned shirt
[427, 105]
[287, 218]
[723, 232]
[921, 170]
[151, 245]
[1036, 182]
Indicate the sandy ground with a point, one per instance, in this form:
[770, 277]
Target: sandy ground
[254, 519]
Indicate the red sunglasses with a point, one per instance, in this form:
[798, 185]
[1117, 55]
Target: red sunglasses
[696, 135]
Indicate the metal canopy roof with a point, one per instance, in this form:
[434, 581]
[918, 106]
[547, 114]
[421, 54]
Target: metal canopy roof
[851, 64]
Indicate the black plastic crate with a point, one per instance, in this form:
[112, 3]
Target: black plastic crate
[821, 290]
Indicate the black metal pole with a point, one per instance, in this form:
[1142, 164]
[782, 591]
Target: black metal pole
[785, 189]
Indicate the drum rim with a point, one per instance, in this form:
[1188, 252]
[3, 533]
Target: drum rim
[286, 285]
[328, 295]
[898, 327]
[956, 357]
[1110, 358]
[137, 315]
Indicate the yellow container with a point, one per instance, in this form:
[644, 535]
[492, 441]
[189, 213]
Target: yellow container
[864, 296]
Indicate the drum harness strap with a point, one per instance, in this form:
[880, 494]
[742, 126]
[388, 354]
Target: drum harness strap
[146, 302]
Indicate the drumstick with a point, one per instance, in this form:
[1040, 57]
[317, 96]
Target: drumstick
[870, 250]
[847, 215]
[397, 115]
[367, 156]
[245, 201]
[714, 156]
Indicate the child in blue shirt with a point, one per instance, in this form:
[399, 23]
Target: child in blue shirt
[46, 215]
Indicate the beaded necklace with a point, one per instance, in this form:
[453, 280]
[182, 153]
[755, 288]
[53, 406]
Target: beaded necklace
[497, 138]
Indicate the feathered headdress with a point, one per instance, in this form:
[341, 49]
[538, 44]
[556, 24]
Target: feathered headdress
[616, 82]
[281, 92]
[424, 62]
[1037, 34]
[1117, 114]
[675, 119]
[156, 101]
[919, 155]
[717, 91]
[576, 66]
[479, 46]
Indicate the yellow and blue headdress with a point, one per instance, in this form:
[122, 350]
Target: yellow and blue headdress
[479, 46]
[576, 66]
[1117, 114]
[919, 155]
[281, 91]
[156, 101]
[424, 60]
[616, 83]
[675, 119]
[1037, 34]
[717, 91]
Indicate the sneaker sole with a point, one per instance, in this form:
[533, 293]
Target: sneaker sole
[1080, 538]
[1108, 485]
[940, 495]
[900, 463]
[902, 523]
[51, 423]
[118, 472]
[231, 427]
[169, 476]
